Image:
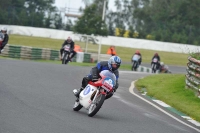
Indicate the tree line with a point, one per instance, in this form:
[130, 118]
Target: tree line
[162, 20]
[175, 21]
[35, 13]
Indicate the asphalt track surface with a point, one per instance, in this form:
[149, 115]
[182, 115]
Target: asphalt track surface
[37, 98]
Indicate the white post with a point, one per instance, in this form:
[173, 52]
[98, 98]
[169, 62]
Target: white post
[86, 44]
[99, 51]
[104, 9]
[103, 15]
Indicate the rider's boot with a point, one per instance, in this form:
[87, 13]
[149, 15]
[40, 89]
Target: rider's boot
[70, 59]
[77, 92]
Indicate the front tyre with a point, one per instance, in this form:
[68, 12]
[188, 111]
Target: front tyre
[94, 107]
[77, 106]
[65, 59]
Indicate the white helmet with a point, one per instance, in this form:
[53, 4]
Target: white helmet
[161, 63]
[4, 30]
[114, 60]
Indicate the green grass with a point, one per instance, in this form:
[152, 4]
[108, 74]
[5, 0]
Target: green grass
[125, 53]
[171, 89]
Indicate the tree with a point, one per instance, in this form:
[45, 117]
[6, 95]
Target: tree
[37, 13]
[167, 19]
[91, 22]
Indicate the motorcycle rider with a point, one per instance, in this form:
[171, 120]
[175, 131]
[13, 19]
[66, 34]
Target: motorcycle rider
[162, 66]
[137, 57]
[70, 42]
[112, 64]
[156, 56]
[5, 39]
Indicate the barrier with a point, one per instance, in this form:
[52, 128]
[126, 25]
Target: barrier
[109, 40]
[193, 75]
[23, 52]
[103, 57]
[144, 69]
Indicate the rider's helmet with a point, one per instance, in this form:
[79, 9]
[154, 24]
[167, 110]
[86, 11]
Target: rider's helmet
[156, 54]
[114, 63]
[4, 30]
[137, 52]
[162, 63]
[69, 40]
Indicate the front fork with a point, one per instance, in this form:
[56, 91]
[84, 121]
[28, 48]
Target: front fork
[101, 90]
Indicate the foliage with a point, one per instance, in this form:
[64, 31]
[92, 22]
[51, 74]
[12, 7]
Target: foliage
[91, 22]
[195, 55]
[36, 13]
[170, 20]
[165, 20]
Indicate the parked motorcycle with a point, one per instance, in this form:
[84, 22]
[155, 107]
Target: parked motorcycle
[94, 94]
[66, 54]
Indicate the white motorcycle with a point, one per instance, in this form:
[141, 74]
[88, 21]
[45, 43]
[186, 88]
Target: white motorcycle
[155, 65]
[94, 94]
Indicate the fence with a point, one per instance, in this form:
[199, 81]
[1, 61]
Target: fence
[24, 52]
[110, 40]
[193, 75]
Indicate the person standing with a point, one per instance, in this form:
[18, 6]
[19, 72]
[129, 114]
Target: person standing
[112, 51]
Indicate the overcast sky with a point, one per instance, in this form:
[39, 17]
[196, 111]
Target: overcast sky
[74, 5]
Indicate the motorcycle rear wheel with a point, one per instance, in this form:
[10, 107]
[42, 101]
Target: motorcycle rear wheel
[94, 107]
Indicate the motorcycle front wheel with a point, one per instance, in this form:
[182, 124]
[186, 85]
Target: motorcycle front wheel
[65, 58]
[154, 68]
[96, 105]
[77, 106]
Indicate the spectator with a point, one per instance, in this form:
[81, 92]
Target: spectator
[111, 51]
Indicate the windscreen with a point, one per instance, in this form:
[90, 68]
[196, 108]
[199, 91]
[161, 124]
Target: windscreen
[109, 74]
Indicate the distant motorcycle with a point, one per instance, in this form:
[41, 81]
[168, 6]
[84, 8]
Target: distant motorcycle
[155, 65]
[135, 65]
[135, 59]
[66, 54]
[94, 94]
[1, 40]
[164, 69]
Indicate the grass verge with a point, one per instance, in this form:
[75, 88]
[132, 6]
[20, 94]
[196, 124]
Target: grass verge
[171, 89]
[125, 53]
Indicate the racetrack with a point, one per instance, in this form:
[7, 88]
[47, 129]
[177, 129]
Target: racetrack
[37, 98]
